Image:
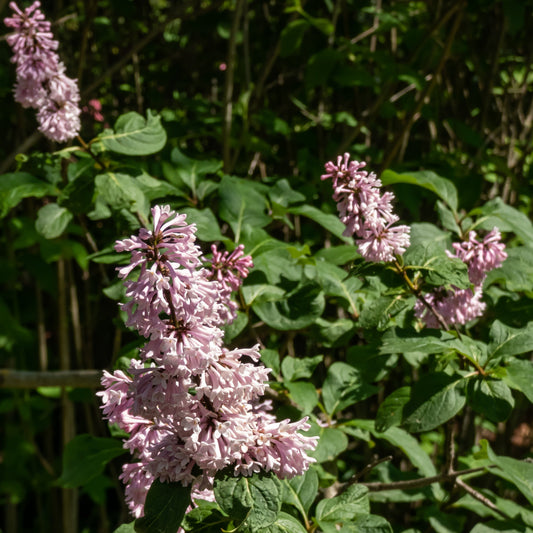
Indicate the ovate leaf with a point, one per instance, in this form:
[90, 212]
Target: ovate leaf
[165, 507]
[518, 472]
[434, 400]
[490, 397]
[52, 220]
[442, 187]
[520, 377]
[390, 412]
[16, 186]
[301, 491]
[253, 501]
[343, 387]
[135, 135]
[85, 457]
[506, 341]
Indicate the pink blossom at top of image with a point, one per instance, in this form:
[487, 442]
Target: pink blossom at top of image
[41, 80]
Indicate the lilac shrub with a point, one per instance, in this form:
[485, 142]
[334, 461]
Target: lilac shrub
[41, 80]
[191, 406]
[368, 215]
[459, 306]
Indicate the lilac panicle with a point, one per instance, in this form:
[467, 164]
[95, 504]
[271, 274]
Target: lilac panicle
[228, 271]
[366, 212]
[191, 406]
[41, 80]
[459, 306]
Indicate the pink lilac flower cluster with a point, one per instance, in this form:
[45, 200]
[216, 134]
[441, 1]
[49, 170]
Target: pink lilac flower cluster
[191, 406]
[228, 270]
[366, 212]
[41, 80]
[459, 306]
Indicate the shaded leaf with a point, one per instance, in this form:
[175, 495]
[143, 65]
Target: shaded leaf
[52, 220]
[434, 400]
[390, 412]
[490, 397]
[96, 453]
[165, 507]
[442, 187]
[343, 387]
[16, 186]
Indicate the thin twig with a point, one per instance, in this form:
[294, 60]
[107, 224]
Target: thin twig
[421, 482]
[479, 497]
[369, 467]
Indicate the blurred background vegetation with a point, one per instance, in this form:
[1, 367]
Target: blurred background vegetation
[263, 89]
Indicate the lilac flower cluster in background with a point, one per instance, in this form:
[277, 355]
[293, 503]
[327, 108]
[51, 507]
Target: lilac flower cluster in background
[41, 80]
[365, 212]
[191, 407]
[459, 306]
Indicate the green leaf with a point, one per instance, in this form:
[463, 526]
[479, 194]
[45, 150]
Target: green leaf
[285, 523]
[434, 400]
[338, 255]
[282, 193]
[303, 394]
[96, 453]
[519, 376]
[506, 218]
[490, 397]
[495, 526]
[234, 328]
[270, 358]
[326, 220]
[301, 491]
[335, 282]
[411, 448]
[385, 311]
[121, 191]
[437, 268]
[396, 340]
[332, 442]
[345, 507]
[126, 528]
[165, 507]
[242, 202]
[205, 518]
[52, 220]
[154, 188]
[343, 387]
[207, 228]
[442, 187]
[292, 36]
[252, 501]
[506, 341]
[134, 135]
[516, 272]
[390, 412]
[294, 368]
[192, 172]
[77, 196]
[16, 186]
[320, 66]
[518, 472]
[299, 309]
